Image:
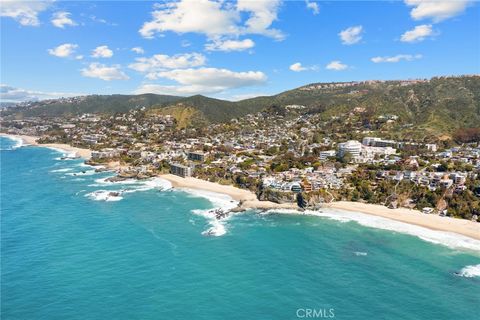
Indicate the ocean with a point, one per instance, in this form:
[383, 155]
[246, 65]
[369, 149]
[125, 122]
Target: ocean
[72, 250]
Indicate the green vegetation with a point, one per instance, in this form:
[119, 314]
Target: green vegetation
[442, 107]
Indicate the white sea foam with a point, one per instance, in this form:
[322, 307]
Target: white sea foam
[470, 271]
[18, 142]
[149, 184]
[62, 170]
[83, 164]
[65, 153]
[360, 253]
[132, 186]
[82, 173]
[103, 182]
[217, 229]
[219, 201]
[449, 239]
[103, 195]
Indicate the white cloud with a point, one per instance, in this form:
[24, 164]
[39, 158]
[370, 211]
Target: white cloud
[397, 58]
[262, 15]
[203, 81]
[138, 50]
[207, 17]
[160, 62]
[230, 45]
[336, 65]
[215, 77]
[351, 35]
[12, 94]
[214, 18]
[185, 43]
[61, 19]
[312, 5]
[417, 34]
[297, 67]
[24, 12]
[101, 71]
[103, 21]
[437, 10]
[102, 52]
[64, 50]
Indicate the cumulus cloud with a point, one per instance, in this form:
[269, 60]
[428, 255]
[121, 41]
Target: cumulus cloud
[138, 50]
[102, 52]
[101, 71]
[230, 45]
[24, 12]
[417, 34]
[61, 19]
[203, 81]
[64, 50]
[311, 5]
[336, 65]
[207, 17]
[214, 18]
[351, 35]
[12, 94]
[298, 67]
[397, 58]
[262, 15]
[437, 10]
[161, 62]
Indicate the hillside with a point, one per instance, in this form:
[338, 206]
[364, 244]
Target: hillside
[216, 110]
[438, 106]
[90, 104]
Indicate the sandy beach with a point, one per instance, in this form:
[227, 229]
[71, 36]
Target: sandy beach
[431, 221]
[31, 140]
[248, 200]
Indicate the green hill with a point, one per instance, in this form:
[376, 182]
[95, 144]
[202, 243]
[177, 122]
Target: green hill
[438, 106]
[90, 104]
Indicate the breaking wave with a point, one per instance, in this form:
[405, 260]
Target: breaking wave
[132, 186]
[62, 170]
[218, 227]
[470, 271]
[18, 143]
[104, 195]
[449, 239]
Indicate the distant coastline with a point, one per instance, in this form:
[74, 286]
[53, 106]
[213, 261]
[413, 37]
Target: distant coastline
[248, 200]
[31, 140]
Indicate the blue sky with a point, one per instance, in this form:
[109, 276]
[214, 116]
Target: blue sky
[228, 49]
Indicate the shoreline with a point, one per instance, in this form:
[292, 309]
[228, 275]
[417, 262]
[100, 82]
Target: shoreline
[31, 140]
[248, 200]
[413, 217]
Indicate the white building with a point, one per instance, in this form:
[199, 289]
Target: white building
[324, 155]
[354, 148]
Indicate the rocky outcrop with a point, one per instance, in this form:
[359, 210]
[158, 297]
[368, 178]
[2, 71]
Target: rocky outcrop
[277, 196]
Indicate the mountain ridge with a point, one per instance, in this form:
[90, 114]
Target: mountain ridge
[439, 105]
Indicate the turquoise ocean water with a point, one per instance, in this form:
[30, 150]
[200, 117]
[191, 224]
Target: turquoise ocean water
[68, 254]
